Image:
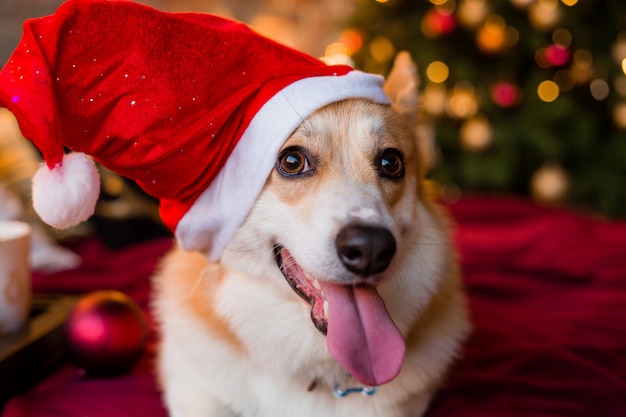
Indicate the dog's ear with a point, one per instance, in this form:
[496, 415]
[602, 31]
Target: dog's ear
[401, 86]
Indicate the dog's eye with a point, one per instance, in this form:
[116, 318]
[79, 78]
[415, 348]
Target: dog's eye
[390, 164]
[293, 161]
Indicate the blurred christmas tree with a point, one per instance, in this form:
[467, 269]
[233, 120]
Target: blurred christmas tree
[524, 96]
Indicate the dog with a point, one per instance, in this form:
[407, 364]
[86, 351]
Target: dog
[342, 280]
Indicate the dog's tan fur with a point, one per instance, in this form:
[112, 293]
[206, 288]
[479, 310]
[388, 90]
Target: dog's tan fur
[237, 341]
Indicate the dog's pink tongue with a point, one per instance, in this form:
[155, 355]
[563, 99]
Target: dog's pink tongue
[361, 335]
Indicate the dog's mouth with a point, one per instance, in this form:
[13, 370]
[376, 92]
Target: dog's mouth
[361, 335]
[310, 290]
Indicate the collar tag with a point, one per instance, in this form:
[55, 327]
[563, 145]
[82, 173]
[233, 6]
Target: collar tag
[342, 393]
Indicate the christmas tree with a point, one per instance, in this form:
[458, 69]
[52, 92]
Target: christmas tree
[523, 96]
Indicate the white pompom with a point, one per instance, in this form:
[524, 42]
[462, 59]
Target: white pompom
[66, 195]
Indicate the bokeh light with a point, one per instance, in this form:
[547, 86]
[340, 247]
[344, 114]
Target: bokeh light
[437, 72]
[472, 13]
[550, 183]
[506, 94]
[619, 115]
[599, 89]
[476, 134]
[462, 102]
[548, 91]
[564, 79]
[381, 49]
[434, 99]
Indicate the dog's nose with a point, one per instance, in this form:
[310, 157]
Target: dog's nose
[365, 250]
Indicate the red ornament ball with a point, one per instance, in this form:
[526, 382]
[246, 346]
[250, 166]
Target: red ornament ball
[106, 333]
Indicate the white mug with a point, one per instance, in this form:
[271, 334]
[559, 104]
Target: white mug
[15, 275]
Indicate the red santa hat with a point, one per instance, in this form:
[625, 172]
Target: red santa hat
[192, 107]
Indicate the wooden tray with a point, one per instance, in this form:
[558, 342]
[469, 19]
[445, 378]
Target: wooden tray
[28, 355]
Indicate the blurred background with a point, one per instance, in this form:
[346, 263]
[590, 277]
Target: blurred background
[522, 97]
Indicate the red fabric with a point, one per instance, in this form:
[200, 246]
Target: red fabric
[547, 292]
[162, 98]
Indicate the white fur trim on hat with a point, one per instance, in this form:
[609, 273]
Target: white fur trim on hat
[66, 194]
[214, 218]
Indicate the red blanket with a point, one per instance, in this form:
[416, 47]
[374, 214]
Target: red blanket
[547, 293]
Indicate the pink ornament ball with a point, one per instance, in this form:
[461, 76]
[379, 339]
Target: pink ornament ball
[106, 333]
[557, 55]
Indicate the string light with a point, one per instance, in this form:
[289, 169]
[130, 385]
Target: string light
[494, 35]
[522, 4]
[564, 79]
[545, 14]
[581, 68]
[462, 102]
[550, 183]
[619, 115]
[562, 37]
[476, 134]
[491, 37]
[620, 85]
[337, 53]
[548, 91]
[472, 13]
[437, 72]
[434, 99]
[381, 49]
[599, 89]
[353, 39]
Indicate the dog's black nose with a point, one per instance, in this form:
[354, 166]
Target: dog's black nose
[365, 250]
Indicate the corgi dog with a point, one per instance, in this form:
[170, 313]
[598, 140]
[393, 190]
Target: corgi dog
[339, 295]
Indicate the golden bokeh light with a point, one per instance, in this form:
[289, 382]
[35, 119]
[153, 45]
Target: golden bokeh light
[336, 48]
[522, 4]
[381, 49]
[562, 37]
[462, 102]
[491, 37]
[619, 115]
[619, 84]
[353, 39]
[550, 183]
[476, 134]
[548, 91]
[434, 99]
[437, 72]
[472, 13]
[545, 14]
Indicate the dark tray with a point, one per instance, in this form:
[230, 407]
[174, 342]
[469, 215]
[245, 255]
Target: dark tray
[26, 356]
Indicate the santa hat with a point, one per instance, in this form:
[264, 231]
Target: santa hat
[192, 107]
